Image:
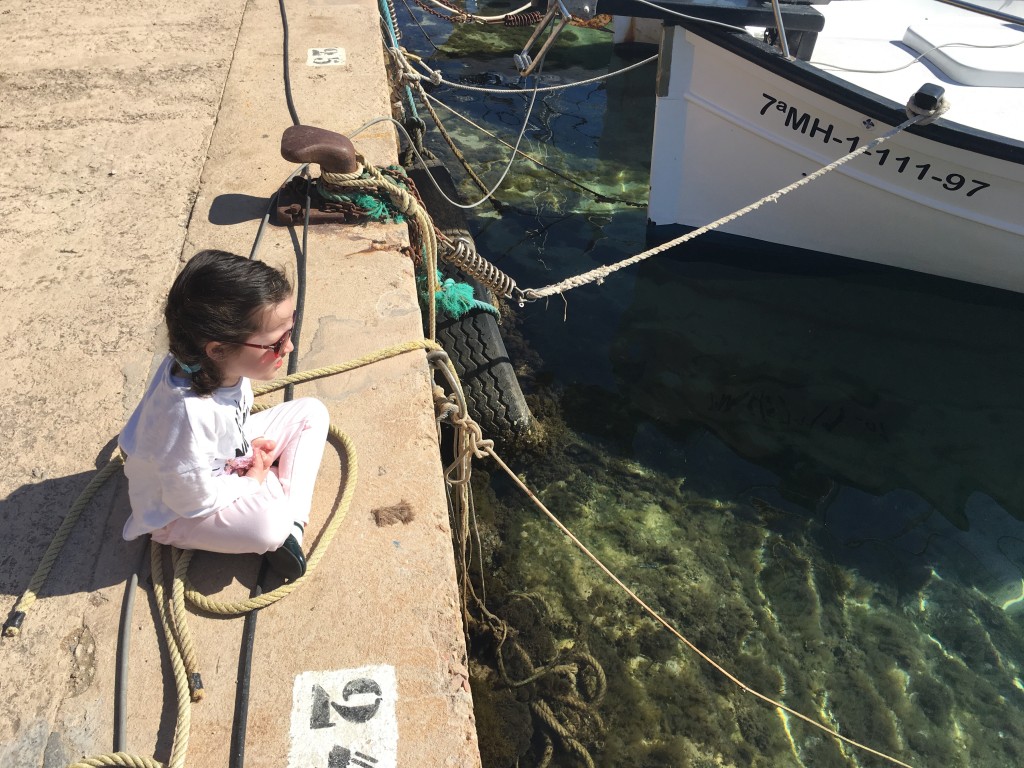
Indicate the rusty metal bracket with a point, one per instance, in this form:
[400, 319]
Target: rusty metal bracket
[290, 209]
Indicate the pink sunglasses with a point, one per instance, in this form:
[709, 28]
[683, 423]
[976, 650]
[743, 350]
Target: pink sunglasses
[277, 345]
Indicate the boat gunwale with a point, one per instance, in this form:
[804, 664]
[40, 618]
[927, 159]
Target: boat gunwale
[854, 97]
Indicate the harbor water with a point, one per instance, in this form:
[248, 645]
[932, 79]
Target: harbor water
[811, 468]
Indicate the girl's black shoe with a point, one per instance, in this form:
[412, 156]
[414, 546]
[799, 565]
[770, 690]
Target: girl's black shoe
[288, 560]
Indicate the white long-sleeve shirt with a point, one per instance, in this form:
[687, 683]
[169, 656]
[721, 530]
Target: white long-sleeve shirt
[181, 449]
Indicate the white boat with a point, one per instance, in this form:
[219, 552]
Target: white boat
[737, 120]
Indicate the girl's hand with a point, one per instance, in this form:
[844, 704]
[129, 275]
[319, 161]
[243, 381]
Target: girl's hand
[260, 466]
[264, 444]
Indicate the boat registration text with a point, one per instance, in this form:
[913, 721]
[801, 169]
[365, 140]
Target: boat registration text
[816, 129]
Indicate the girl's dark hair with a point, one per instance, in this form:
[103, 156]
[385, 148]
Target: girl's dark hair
[218, 296]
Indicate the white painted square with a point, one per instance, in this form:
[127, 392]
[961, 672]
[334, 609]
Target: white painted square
[345, 718]
[326, 57]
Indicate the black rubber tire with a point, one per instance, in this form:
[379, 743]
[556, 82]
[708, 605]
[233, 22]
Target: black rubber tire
[473, 342]
[493, 396]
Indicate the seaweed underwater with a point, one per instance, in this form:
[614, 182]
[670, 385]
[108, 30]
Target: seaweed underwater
[812, 475]
[930, 674]
[885, 604]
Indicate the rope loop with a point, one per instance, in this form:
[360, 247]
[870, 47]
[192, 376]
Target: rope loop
[472, 444]
[543, 713]
[478, 446]
[927, 115]
[445, 406]
[333, 179]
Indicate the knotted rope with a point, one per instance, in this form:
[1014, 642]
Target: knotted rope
[543, 712]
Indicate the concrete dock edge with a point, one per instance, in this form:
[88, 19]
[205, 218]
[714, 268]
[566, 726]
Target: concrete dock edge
[151, 133]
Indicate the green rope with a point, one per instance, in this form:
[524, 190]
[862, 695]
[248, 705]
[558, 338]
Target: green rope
[377, 208]
[374, 206]
[454, 299]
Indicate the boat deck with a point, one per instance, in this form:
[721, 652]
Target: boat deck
[862, 43]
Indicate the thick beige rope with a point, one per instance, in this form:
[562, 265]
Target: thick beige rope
[332, 370]
[183, 724]
[117, 759]
[172, 608]
[178, 614]
[239, 607]
[543, 713]
[372, 180]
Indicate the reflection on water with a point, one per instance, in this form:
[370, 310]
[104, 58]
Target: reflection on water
[811, 469]
[865, 377]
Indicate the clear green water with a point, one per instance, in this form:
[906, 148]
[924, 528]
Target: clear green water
[812, 470]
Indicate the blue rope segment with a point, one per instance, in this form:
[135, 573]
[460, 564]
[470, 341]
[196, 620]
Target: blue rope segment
[385, 13]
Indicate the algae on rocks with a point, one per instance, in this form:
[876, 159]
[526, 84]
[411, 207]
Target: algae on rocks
[918, 673]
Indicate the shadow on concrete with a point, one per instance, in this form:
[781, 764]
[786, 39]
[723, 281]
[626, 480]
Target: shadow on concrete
[237, 209]
[95, 555]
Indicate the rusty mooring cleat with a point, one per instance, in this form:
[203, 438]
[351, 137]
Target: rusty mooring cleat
[334, 153]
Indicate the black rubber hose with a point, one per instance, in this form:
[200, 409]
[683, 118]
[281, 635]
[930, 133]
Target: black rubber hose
[300, 300]
[124, 643]
[240, 720]
[287, 76]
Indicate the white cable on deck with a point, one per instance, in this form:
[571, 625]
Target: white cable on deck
[671, 12]
[836, 67]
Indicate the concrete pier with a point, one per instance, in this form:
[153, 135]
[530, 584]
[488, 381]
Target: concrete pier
[135, 135]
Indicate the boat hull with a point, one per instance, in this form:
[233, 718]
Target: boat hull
[730, 130]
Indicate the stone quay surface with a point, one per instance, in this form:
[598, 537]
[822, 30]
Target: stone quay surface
[135, 135]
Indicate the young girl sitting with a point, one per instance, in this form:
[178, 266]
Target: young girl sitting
[203, 472]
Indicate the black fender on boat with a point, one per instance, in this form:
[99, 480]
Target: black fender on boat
[473, 342]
